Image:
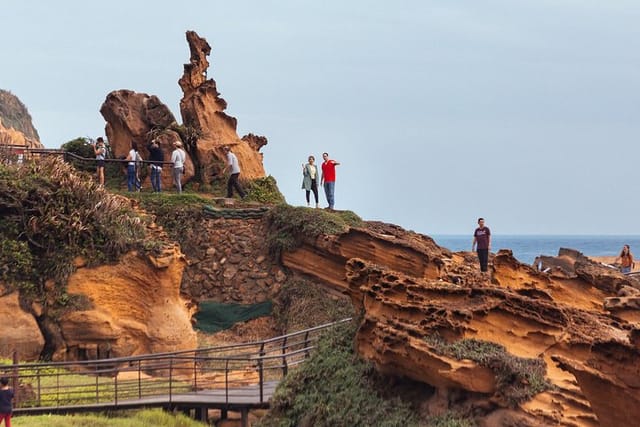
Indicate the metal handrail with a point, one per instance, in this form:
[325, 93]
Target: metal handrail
[106, 381]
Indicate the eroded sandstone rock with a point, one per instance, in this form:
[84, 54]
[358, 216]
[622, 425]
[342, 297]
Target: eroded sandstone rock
[19, 331]
[141, 118]
[136, 309]
[202, 109]
[407, 288]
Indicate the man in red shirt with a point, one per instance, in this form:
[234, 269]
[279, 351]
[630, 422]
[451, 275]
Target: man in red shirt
[482, 238]
[328, 179]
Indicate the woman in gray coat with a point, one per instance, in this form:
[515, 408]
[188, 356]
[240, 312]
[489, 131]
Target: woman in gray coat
[310, 179]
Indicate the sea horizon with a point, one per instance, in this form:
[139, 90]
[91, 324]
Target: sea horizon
[526, 247]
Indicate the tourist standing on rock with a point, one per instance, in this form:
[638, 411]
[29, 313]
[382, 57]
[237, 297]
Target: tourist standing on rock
[178, 157]
[6, 405]
[156, 156]
[482, 240]
[134, 159]
[234, 167]
[626, 260]
[328, 179]
[310, 179]
[100, 152]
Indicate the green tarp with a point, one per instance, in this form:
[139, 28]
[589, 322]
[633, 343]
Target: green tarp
[215, 316]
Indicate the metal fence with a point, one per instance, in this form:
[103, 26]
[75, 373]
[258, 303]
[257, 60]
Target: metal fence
[238, 371]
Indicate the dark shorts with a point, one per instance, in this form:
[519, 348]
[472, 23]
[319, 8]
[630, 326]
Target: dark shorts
[100, 163]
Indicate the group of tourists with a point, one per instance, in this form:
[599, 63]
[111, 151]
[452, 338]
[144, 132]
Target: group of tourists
[327, 179]
[156, 159]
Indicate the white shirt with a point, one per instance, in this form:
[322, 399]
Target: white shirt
[313, 171]
[133, 156]
[232, 160]
[178, 157]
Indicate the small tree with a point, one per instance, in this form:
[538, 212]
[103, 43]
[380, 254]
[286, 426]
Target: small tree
[82, 147]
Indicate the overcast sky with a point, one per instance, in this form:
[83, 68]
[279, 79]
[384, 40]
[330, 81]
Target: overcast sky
[524, 112]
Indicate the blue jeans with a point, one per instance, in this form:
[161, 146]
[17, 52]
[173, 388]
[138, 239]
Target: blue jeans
[329, 191]
[155, 178]
[131, 178]
[625, 270]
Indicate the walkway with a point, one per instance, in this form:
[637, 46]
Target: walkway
[236, 377]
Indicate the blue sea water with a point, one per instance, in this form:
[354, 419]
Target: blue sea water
[527, 247]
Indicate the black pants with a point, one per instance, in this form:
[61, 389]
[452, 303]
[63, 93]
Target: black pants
[483, 257]
[314, 188]
[233, 183]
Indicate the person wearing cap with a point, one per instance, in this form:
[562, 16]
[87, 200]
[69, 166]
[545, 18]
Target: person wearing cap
[178, 157]
[234, 167]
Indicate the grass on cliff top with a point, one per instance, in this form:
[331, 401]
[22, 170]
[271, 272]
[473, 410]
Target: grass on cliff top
[290, 226]
[144, 418]
[50, 214]
[517, 379]
[334, 388]
[302, 305]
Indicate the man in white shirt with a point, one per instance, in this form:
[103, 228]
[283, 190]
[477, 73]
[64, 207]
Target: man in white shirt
[178, 157]
[234, 167]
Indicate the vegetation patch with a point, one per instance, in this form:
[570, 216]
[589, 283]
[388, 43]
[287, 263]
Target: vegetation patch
[49, 215]
[302, 305]
[178, 214]
[517, 379]
[335, 388]
[290, 226]
[450, 419]
[264, 190]
[144, 418]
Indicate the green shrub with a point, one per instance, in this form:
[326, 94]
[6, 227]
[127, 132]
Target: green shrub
[334, 388]
[517, 379]
[52, 214]
[290, 226]
[264, 190]
[81, 147]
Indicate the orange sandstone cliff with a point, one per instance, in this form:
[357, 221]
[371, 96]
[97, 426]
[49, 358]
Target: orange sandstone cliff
[581, 324]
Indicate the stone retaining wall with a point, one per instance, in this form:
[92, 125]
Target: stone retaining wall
[229, 261]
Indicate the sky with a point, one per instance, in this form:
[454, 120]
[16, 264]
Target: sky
[523, 112]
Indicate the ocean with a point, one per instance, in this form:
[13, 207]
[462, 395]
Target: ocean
[527, 247]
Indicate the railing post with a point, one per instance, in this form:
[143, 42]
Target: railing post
[261, 372]
[195, 372]
[39, 386]
[14, 380]
[306, 344]
[171, 380]
[285, 368]
[115, 385]
[57, 387]
[139, 379]
[97, 385]
[226, 381]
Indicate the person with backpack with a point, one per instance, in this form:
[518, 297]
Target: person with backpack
[133, 168]
[178, 157]
[156, 156]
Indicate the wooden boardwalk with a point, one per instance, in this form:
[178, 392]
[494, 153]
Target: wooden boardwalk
[234, 399]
